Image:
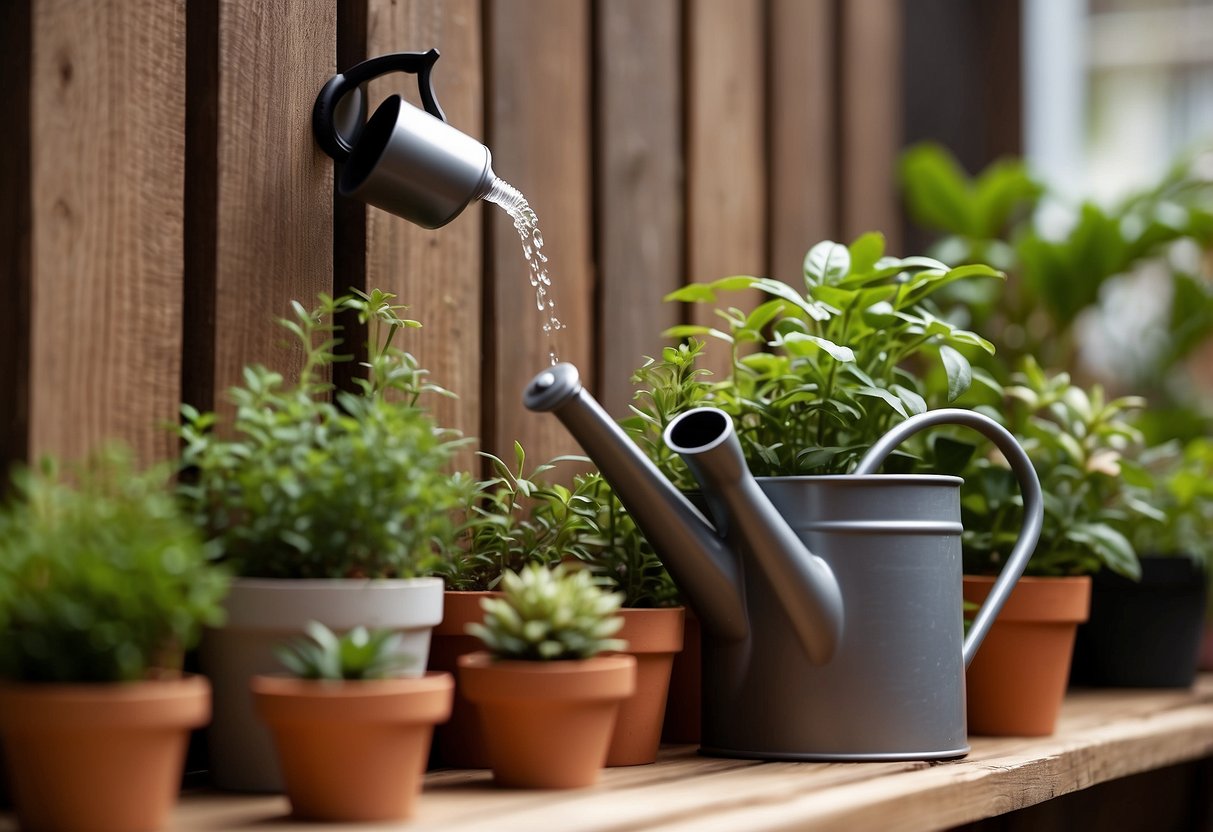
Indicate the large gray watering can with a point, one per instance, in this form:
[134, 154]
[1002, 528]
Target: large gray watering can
[830, 606]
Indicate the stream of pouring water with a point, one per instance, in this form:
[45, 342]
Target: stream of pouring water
[527, 225]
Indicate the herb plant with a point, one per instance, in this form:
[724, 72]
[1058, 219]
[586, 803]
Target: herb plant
[514, 518]
[549, 615]
[843, 361]
[1082, 445]
[102, 578]
[360, 654]
[1179, 484]
[304, 484]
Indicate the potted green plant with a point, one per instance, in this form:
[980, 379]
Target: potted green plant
[1147, 632]
[512, 518]
[546, 697]
[1080, 443]
[352, 733]
[653, 618]
[328, 507]
[104, 584]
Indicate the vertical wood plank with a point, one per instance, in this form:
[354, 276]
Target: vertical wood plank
[802, 175]
[538, 128]
[640, 185]
[871, 118]
[725, 146]
[107, 155]
[437, 273]
[274, 231]
[15, 64]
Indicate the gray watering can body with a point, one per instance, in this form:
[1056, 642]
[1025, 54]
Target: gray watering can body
[830, 606]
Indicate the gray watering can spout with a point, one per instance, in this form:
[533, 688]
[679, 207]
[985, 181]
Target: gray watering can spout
[701, 563]
[704, 570]
[804, 584]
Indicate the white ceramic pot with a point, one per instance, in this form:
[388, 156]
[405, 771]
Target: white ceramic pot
[261, 614]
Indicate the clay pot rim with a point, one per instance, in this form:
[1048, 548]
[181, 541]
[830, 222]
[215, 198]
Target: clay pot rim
[1038, 598]
[461, 607]
[424, 699]
[602, 677]
[652, 629]
[184, 700]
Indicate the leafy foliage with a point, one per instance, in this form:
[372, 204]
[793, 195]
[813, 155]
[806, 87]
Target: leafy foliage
[549, 615]
[1179, 479]
[619, 553]
[841, 359]
[357, 655]
[1081, 444]
[514, 519]
[101, 581]
[300, 486]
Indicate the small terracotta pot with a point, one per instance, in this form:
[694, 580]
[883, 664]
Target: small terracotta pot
[459, 743]
[1018, 679]
[683, 707]
[353, 751]
[547, 724]
[654, 636]
[96, 758]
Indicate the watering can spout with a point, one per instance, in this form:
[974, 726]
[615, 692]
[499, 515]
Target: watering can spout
[805, 585]
[698, 560]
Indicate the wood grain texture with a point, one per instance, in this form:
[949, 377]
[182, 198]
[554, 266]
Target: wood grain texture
[275, 230]
[870, 119]
[105, 268]
[725, 147]
[437, 273]
[15, 52]
[639, 185]
[1102, 736]
[802, 172]
[539, 133]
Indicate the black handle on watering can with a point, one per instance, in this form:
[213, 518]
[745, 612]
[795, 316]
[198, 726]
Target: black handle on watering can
[1029, 486]
[323, 113]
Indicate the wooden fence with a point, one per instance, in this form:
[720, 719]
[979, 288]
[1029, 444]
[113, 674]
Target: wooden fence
[163, 199]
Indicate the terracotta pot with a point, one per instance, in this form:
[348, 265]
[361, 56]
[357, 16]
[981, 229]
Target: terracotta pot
[1018, 679]
[547, 724]
[654, 636]
[459, 743]
[261, 614]
[95, 758]
[683, 704]
[353, 751]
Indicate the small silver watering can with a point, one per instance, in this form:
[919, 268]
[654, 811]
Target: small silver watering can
[407, 161]
[830, 606]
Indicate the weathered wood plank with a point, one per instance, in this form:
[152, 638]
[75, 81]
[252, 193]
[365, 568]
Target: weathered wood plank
[639, 178]
[871, 118]
[726, 168]
[802, 135]
[437, 273]
[274, 233]
[538, 129]
[106, 156]
[15, 66]
[1102, 736]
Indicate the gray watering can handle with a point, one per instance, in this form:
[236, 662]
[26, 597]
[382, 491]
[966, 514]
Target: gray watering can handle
[1029, 485]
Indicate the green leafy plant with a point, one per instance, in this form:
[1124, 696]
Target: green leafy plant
[514, 518]
[618, 551]
[360, 654]
[1179, 484]
[102, 578]
[303, 484]
[549, 615]
[1004, 217]
[1082, 445]
[843, 362]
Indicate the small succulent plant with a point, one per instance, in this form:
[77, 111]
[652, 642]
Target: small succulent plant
[360, 654]
[550, 614]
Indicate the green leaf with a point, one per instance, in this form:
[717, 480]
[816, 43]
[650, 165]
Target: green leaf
[865, 251]
[826, 263]
[938, 193]
[958, 369]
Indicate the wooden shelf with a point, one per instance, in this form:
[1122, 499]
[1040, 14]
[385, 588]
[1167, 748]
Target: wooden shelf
[1103, 735]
